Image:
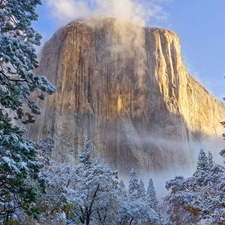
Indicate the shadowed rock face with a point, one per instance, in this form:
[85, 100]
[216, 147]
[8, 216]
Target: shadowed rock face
[124, 86]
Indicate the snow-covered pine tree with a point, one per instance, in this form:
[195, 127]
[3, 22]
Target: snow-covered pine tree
[133, 189]
[18, 165]
[18, 171]
[151, 195]
[198, 199]
[18, 58]
[180, 200]
[134, 208]
[202, 170]
[202, 163]
[142, 190]
[85, 157]
[122, 193]
[210, 161]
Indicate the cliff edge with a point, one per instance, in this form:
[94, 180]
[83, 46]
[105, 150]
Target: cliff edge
[125, 87]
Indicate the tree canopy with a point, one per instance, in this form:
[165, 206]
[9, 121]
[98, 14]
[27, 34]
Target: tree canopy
[199, 199]
[18, 58]
[20, 177]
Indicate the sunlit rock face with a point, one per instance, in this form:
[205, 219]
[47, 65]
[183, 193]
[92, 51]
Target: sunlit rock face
[125, 87]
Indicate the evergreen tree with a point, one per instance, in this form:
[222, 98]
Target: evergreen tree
[133, 190]
[18, 58]
[202, 168]
[151, 195]
[142, 190]
[198, 199]
[122, 193]
[19, 168]
[18, 171]
[210, 161]
[202, 163]
[85, 157]
[134, 209]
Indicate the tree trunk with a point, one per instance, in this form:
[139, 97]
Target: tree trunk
[88, 220]
[131, 221]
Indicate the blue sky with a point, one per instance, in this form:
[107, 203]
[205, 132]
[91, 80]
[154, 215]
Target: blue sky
[199, 24]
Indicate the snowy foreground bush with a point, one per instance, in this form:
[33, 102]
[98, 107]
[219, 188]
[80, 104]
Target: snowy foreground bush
[199, 199]
[90, 193]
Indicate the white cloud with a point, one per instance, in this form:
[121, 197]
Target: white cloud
[163, 1]
[63, 11]
[137, 11]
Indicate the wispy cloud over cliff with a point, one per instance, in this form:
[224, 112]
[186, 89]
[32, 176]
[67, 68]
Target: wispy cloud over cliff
[137, 11]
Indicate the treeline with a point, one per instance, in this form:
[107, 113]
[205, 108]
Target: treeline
[91, 194]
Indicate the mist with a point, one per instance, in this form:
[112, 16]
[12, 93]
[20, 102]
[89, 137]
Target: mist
[212, 144]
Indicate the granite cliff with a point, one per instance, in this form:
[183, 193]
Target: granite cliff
[124, 86]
